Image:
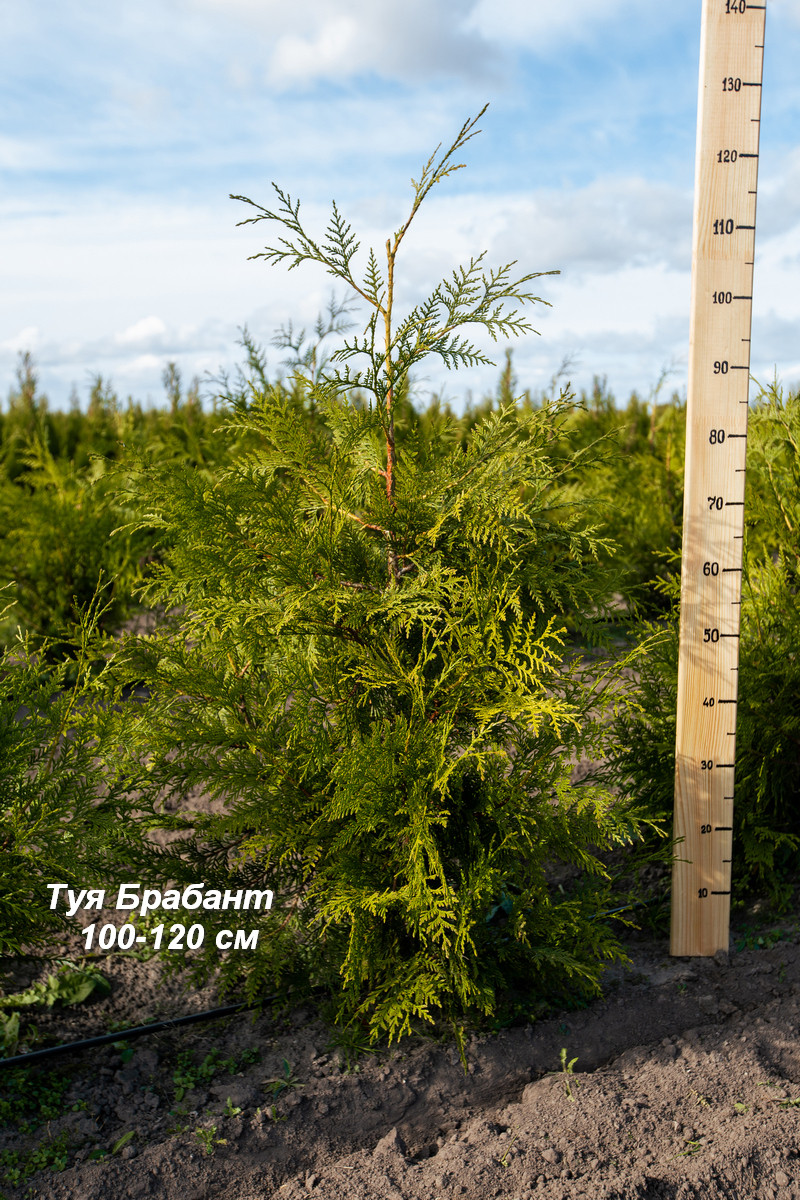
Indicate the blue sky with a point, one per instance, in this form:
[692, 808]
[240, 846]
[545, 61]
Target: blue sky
[127, 126]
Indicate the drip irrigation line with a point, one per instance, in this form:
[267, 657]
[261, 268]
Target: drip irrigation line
[211, 1014]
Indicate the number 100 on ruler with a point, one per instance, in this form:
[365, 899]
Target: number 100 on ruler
[729, 112]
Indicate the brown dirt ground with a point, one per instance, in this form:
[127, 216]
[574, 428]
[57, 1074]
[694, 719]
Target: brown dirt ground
[687, 1084]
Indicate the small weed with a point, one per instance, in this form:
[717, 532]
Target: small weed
[682, 989]
[70, 985]
[351, 1043]
[504, 1159]
[283, 1082]
[691, 1148]
[230, 1108]
[126, 1051]
[123, 1141]
[740, 1107]
[187, 1075]
[567, 1072]
[9, 1033]
[752, 940]
[144, 925]
[208, 1140]
[30, 1099]
[180, 1125]
[790, 1103]
[16, 1167]
[701, 1100]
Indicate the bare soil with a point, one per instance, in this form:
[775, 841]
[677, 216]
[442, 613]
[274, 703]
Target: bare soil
[686, 1084]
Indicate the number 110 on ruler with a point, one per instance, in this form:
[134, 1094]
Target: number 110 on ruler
[728, 122]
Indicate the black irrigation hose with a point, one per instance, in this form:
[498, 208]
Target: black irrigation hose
[212, 1014]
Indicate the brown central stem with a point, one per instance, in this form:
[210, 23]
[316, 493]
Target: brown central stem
[391, 454]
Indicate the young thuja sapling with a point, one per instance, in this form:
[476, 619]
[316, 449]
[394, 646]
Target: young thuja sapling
[366, 665]
[470, 298]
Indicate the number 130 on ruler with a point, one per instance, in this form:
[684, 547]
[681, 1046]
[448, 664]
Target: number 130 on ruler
[723, 252]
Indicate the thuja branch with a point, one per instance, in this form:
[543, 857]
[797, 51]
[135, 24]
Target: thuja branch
[432, 173]
[472, 296]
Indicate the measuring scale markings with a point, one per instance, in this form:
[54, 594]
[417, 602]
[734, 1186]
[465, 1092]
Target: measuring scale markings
[731, 59]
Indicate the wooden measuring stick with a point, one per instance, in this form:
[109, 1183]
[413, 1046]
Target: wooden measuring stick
[726, 171]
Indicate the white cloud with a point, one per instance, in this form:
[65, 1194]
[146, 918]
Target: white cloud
[607, 225]
[540, 26]
[785, 8]
[336, 41]
[26, 339]
[148, 329]
[610, 225]
[779, 197]
[412, 39]
[311, 40]
[19, 154]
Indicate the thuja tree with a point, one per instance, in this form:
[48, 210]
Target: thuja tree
[364, 669]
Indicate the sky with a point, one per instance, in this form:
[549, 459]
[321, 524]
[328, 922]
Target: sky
[126, 128]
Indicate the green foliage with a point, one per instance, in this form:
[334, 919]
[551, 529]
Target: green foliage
[350, 1042]
[208, 1139]
[63, 533]
[54, 827]
[26, 420]
[9, 1034]
[31, 1097]
[58, 547]
[637, 489]
[567, 1074]
[188, 1075]
[70, 985]
[773, 476]
[288, 1081]
[16, 1166]
[751, 939]
[766, 838]
[372, 654]
[365, 669]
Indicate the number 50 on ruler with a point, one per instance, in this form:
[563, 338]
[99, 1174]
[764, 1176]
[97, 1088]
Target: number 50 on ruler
[726, 172]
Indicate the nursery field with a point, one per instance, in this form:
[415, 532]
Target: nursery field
[680, 1078]
[362, 715]
[686, 1083]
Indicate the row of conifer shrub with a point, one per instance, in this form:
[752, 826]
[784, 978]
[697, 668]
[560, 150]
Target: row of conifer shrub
[359, 740]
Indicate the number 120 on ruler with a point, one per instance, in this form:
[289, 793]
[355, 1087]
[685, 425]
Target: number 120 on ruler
[729, 111]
